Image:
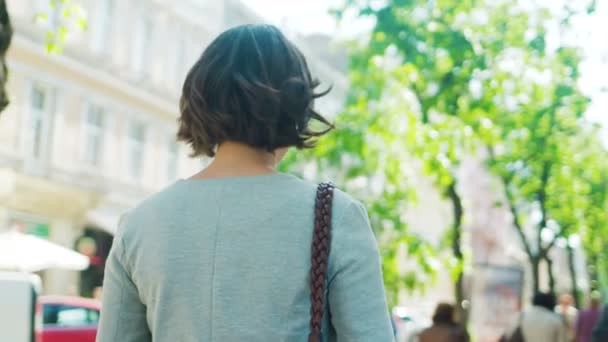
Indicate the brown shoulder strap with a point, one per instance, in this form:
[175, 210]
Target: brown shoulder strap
[319, 256]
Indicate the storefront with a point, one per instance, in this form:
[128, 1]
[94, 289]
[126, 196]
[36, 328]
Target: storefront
[94, 243]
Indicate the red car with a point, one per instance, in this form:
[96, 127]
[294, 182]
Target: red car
[66, 319]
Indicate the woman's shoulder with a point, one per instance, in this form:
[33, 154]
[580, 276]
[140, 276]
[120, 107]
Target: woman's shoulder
[171, 201]
[345, 204]
[342, 203]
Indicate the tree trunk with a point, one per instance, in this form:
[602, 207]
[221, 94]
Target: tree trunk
[535, 263]
[550, 273]
[592, 269]
[573, 280]
[457, 251]
[6, 34]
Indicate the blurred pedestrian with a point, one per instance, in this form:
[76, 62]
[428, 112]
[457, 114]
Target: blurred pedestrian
[587, 319]
[229, 254]
[568, 312]
[444, 328]
[98, 293]
[539, 323]
[600, 332]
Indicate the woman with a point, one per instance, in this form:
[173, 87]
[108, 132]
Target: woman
[445, 328]
[225, 254]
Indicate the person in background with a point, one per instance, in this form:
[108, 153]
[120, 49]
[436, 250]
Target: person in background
[600, 332]
[568, 312]
[539, 323]
[587, 318]
[444, 328]
[98, 293]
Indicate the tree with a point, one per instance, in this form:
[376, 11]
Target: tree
[534, 155]
[592, 168]
[421, 47]
[438, 51]
[557, 160]
[541, 192]
[472, 73]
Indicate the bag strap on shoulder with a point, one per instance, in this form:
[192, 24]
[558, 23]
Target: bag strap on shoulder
[319, 257]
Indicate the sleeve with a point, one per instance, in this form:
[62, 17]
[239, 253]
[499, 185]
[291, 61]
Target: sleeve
[357, 301]
[123, 315]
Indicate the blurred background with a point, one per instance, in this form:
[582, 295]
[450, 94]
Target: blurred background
[474, 132]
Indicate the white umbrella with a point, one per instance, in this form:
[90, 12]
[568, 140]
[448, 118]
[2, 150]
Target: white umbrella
[27, 253]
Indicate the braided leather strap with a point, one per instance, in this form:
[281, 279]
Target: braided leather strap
[319, 257]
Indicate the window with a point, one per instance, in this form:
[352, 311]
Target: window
[68, 316]
[172, 160]
[37, 121]
[136, 144]
[103, 25]
[37, 135]
[92, 152]
[140, 47]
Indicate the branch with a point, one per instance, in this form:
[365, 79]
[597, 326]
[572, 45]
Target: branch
[542, 200]
[545, 251]
[518, 227]
[516, 222]
[542, 191]
[424, 115]
[458, 212]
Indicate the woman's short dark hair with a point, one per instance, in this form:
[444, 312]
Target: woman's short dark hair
[253, 86]
[444, 314]
[545, 300]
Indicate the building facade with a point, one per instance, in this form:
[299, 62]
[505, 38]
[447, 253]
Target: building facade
[91, 131]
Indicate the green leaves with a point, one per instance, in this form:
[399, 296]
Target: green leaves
[60, 19]
[435, 82]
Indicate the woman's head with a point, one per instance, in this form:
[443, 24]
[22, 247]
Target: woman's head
[595, 300]
[252, 86]
[444, 314]
[544, 300]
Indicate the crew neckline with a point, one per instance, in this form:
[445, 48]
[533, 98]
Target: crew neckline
[235, 178]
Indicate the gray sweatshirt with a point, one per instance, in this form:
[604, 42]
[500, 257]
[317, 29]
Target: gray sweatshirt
[227, 259]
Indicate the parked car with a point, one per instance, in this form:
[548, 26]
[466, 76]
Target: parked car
[66, 319]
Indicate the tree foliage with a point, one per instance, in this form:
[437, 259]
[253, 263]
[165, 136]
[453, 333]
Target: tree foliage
[435, 80]
[63, 16]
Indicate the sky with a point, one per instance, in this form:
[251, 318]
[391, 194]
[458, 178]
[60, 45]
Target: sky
[308, 16]
[311, 16]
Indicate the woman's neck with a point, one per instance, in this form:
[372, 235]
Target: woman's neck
[234, 159]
